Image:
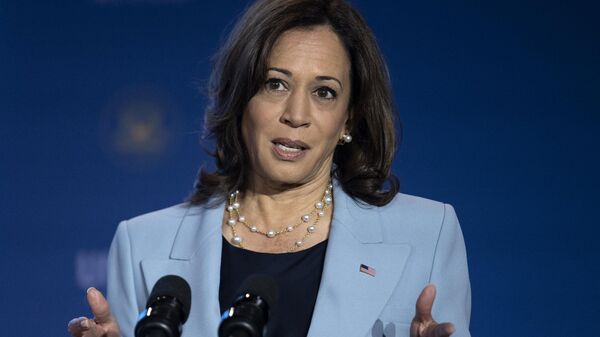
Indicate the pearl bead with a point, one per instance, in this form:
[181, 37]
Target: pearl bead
[319, 211]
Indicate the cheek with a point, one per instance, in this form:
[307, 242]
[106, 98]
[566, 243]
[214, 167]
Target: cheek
[337, 126]
[331, 135]
[245, 128]
[253, 123]
[249, 132]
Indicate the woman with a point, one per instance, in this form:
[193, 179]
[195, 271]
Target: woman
[303, 123]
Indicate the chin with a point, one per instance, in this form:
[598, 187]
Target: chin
[287, 178]
[291, 175]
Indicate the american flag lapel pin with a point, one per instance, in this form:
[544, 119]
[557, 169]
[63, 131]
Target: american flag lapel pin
[367, 270]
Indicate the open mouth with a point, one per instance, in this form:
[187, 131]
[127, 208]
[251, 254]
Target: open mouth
[289, 149]
[290, 145]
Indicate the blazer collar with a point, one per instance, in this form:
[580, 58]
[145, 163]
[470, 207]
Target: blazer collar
[360, 219]
[199, 224]
[195, 256]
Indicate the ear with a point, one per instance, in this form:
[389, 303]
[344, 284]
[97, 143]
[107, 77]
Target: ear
[348, 123]
[345, 130]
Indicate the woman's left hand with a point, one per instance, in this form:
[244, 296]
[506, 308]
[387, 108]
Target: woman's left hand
[423, 325]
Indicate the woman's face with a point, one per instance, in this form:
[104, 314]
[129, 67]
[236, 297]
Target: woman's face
[292, 125]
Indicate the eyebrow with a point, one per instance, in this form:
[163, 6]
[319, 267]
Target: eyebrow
[319, 78]
[285, 71]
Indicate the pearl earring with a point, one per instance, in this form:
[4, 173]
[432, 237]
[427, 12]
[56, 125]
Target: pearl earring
[346, 138]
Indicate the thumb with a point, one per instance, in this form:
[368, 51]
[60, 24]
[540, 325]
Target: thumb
[99, 306]
[425, 303]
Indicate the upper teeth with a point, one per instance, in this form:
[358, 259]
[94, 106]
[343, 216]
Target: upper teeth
[287, 148]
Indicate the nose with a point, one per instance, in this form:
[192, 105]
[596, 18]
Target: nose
[297, 110]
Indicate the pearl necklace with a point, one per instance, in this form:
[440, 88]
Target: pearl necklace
[234, 207]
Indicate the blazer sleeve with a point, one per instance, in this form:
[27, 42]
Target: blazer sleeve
[120, 281]
[449, 273]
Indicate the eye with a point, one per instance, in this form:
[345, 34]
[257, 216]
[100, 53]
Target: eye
[275, 84]
[325, 93]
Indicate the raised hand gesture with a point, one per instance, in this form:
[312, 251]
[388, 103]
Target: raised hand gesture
[423, 324]
[102, 325]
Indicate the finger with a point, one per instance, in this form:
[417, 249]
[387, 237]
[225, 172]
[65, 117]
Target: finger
[99, 306]
[415, 328]
[95, 330]
[444, 330]
[425, 303]
[77, 326]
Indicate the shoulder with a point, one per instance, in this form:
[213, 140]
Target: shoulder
[413, 206]
[160, 219]
[406, 218]
[415, 217]
[158, 223]
[416, 209]
[155, 231]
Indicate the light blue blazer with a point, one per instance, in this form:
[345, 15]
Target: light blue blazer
[410, 242]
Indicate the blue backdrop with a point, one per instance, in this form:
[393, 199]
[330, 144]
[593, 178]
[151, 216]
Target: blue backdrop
[101, 107]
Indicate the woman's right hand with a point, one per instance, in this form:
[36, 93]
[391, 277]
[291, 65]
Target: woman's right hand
[102, 325]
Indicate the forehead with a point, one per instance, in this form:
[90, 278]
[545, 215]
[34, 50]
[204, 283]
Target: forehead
[312, 50]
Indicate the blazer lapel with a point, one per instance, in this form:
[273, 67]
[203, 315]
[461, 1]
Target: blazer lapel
[349, 301]
[195, 256]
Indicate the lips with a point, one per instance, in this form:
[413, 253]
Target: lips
[287, 149]
[293, 144]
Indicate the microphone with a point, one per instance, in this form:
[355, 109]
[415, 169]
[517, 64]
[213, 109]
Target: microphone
[167, 308]
[249, 314]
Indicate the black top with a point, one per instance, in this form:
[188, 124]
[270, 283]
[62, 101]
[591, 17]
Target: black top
[297, 274]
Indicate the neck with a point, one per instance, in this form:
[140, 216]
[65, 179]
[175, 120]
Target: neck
[275, 204]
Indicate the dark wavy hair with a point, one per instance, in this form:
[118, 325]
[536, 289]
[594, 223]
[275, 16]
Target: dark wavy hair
[362, 167]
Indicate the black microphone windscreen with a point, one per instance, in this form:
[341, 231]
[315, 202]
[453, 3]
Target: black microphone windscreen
[261, 285]
[174, 286]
